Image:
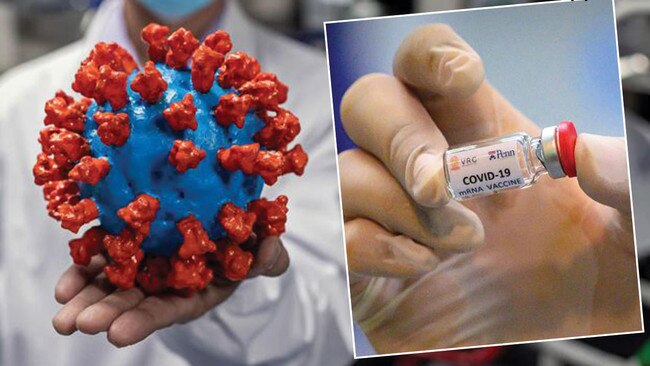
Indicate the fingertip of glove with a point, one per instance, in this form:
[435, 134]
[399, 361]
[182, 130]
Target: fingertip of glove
[435, 59]
[456, 228]
[416, 258]
[425, 179]
[602, 169]
[458, 71]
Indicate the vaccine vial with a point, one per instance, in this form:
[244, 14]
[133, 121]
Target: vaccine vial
[514, 161]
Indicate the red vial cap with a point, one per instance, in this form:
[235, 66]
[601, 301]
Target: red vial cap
[565, 139]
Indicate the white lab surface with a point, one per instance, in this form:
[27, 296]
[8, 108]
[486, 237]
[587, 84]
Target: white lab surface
[299, 318]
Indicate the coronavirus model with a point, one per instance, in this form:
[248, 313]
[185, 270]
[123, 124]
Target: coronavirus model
[170, 160]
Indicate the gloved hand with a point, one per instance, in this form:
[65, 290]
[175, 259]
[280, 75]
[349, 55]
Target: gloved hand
[554, 260]
[92, 305]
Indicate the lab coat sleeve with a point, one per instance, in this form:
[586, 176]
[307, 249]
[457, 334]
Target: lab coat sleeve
[301, 317]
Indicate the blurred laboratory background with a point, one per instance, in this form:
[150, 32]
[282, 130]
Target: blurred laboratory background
[31, 28]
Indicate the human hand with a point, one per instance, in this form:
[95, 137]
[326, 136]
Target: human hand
[554, 260]
[92, 305]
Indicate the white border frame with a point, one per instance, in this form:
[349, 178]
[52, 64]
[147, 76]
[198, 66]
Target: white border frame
[627, 156]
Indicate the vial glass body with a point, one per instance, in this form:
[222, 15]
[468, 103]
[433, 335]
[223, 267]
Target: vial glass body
[486, 167]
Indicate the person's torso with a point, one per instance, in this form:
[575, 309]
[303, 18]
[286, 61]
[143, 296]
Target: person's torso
[33, 250]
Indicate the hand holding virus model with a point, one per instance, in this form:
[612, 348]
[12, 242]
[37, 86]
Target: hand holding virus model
[171, 159]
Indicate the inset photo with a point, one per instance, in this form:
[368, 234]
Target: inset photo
[484, 177]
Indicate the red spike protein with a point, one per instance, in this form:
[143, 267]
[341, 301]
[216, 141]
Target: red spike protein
[148, 154]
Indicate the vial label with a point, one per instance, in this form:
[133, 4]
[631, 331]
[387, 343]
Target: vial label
[479, 171]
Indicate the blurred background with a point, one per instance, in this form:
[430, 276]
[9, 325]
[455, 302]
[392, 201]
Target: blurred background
[31, 28]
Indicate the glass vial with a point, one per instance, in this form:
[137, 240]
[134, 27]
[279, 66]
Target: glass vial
[514, 161]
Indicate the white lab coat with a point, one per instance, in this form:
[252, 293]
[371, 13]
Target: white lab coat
[299, 318]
